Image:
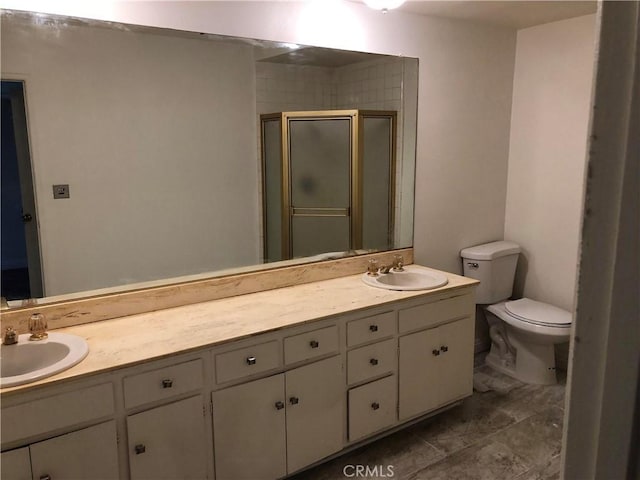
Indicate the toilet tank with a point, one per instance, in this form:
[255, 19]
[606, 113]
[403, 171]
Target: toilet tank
[494, 264]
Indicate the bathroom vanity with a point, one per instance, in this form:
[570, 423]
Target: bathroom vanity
[254, 386]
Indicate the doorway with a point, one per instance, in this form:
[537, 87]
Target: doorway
[19, 242]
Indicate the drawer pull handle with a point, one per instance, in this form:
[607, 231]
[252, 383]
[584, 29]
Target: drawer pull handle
[435, 352]
[373, 328]
[251, 360]
[294, 400]
[314, 344]
[46, 476]
[375, 406]
[373, 361]
[167, 383]
[444, 348]
[140, 448]
[279, 405]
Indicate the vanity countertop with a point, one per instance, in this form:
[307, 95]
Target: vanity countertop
[134, 339]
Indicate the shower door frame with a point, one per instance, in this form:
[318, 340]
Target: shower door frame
[289, 210]
[356, 138]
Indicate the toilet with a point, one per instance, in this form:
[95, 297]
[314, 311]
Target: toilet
[523, 332]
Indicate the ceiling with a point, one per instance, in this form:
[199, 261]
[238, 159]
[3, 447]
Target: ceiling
[514, 14]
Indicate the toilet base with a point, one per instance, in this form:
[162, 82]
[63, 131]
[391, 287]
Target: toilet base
[534, 363]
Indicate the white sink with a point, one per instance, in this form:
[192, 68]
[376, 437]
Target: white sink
[412, 278]
[29, 361]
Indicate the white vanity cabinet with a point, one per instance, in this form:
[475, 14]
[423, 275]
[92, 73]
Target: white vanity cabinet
[261, 405]
[59, 442]
[167, 441]
[267, 428]
[16, 464]
[90, 453]
[435, 364]
[372, 353]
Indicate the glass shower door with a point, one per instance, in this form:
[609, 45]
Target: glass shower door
[320, 158]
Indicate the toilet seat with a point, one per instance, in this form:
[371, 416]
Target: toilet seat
[538, 313]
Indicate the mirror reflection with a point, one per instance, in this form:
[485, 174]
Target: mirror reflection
[134, 154]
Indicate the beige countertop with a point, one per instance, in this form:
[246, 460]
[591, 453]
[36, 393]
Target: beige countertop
[135, 339]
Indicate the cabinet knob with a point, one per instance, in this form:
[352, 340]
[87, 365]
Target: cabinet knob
[294, 400]
[46, 476]
[140, 448]
[375, 406]
[373, 361]
[373, 328]
[167, 383]
[444, 348]
[279, 405]
[435, 352]
[314, 344]
[251, 360]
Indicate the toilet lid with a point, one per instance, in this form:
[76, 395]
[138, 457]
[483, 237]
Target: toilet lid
[539, 313]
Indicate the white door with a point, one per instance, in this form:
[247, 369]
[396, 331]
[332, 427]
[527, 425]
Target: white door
[418, 373]
[456, 365]
[168, 441]
[315, 412]
[249, 430]
[16, 464]
[91, 453]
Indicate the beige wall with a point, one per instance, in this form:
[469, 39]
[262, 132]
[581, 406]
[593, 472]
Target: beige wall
[547, 155]
[92, 97]
[465, 79]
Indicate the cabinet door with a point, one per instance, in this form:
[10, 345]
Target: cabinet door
[249, 430]
[168, 441]
[456, 361]
[418, 373]
[16, 464]
[91, 453]
[315, 412]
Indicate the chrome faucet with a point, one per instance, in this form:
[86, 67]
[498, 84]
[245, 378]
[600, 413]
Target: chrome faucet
[10, 336]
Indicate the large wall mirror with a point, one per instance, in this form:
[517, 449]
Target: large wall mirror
[131, 156]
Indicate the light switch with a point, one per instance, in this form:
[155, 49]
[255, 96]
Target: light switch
[61, 191]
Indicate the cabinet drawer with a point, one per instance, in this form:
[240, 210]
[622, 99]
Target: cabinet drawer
[371, 361]
[56, 412]
[372, 407]
[371, 328]
[162, 383]
[247, 361]
[310, 344]
[424, 316]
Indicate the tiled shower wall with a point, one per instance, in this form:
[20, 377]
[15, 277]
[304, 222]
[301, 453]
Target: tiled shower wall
[373, 85]
[369, 85]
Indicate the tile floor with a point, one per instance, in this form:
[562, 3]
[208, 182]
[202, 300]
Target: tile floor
[511, 435]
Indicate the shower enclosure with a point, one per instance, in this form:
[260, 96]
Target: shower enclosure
[328, 182]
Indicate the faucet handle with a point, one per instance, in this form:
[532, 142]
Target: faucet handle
[398, 263]
[38, 327]
[373, 267]
[10, 336]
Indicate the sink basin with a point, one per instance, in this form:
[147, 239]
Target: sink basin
[28, 361]
[409, 279]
